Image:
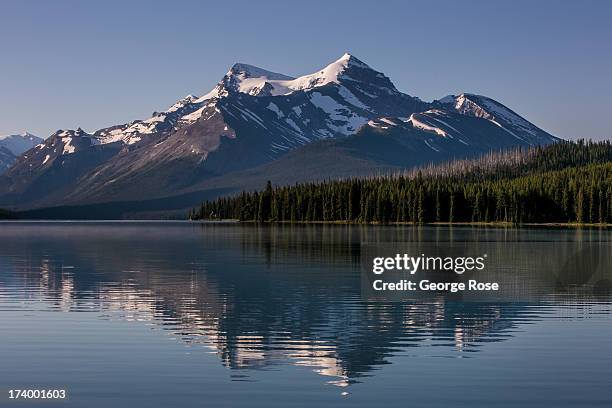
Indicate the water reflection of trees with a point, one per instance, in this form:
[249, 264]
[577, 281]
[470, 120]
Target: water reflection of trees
[258, 295]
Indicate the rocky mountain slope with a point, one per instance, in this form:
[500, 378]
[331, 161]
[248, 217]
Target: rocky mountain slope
[12, 146]
[18, 144]
[7, 158]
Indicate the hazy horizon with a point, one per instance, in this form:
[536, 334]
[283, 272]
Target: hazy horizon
[70, 64]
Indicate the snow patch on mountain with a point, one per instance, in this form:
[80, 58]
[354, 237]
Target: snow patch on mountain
[193, 116]
[274, 108]
[435, 115]
[388, 121]
[423, 122]
[500, 111]
[294, 125]
[343, 120]
[352, 99]
[68, 148]
[430, 146]
[383, 123]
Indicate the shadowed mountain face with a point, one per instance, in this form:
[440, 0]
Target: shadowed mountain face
[7, 158]
[12, 146]
[18, 144]
[346, 119]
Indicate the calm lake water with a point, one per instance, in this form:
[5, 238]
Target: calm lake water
[208, 315]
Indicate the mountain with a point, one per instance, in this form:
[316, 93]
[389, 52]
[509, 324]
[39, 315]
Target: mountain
[12, 146]
[388, 145]
[18, 144]
[7, 158]
[256, 121]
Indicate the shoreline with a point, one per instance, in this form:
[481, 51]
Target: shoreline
[252, 222]
[449, 224]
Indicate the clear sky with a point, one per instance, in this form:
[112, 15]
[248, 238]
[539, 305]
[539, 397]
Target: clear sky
[66, 64]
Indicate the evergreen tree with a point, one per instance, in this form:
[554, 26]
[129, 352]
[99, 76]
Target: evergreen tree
[565, 182]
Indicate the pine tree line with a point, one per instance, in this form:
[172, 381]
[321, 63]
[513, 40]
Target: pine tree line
[7, 215]
[566, 182]
[521, 161]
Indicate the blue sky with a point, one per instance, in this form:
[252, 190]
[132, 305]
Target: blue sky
[67, 64]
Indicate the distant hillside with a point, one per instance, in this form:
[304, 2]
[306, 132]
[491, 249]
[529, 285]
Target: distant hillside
[566, 182]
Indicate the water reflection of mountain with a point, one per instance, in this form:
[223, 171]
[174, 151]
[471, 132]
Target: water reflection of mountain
[255, 295]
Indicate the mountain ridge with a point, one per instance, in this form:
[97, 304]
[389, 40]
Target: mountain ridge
[253, 117]
[12, 146]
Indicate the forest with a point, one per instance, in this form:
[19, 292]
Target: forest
[7, 215]
[567, 182]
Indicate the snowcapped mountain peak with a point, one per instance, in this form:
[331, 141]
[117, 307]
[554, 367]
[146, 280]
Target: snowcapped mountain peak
[27, 135]
[18, 144]
[342, 63]
[467, 104]
[250, 71]
[62, 132]
[480, 106]
[80, 132]
[23, 135]
[182, 103]
[350, 60]
[332, 73]
[252, 80]
[70, 133]
[483, 107]
[245, 78]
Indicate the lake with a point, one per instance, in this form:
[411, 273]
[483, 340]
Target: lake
[177, 314]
